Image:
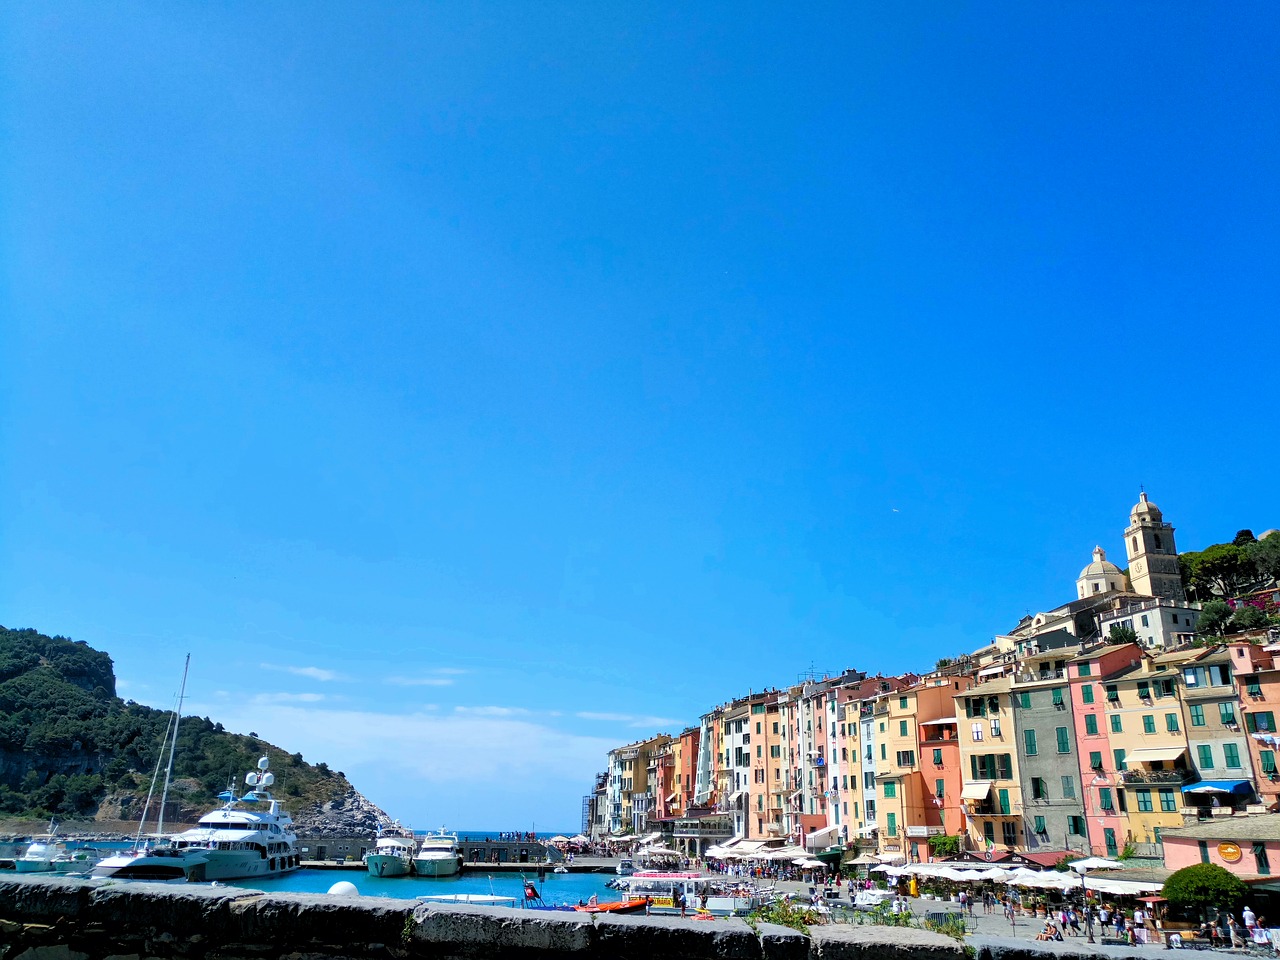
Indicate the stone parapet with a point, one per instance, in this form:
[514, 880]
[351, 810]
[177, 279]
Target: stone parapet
[59, 918]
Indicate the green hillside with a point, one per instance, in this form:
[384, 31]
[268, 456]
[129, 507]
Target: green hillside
[68, 743]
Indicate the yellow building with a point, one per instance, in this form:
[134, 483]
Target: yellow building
[990, 791]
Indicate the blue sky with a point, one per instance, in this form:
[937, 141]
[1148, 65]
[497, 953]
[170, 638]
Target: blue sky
[473, 387]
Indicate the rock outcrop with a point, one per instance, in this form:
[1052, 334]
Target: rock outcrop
[349, 815]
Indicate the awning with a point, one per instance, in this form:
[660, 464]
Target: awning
[737, 795]
[1155, 754]
[1220, 786]
[992, 671]
[820, 837]
[976, 790]
[672, 797]
[932, 723]
[869, 829]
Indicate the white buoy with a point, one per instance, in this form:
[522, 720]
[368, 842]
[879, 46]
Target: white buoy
[344, 888]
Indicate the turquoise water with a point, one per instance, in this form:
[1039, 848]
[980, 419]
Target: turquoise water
[557, 888]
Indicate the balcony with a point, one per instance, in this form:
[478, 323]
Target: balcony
[1155, 776]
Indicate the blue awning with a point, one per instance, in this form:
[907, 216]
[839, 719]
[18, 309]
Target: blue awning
[1220, 786]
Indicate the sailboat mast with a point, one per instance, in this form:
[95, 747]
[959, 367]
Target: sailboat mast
[173, 744]
[155, 778]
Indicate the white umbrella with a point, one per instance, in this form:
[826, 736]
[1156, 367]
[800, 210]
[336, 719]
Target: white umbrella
[1094, 863]
[558, 839]
[661, 852]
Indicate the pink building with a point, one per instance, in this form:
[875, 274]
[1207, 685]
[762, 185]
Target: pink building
[1247, 846]
[1101, 788]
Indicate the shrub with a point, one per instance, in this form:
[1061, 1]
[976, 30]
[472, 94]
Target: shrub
[1204, 885]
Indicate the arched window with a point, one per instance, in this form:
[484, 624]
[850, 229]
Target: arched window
[1159, 545]
[1135, 544]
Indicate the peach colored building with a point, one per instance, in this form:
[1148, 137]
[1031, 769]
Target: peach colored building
[1248, 846]
[1258, 681]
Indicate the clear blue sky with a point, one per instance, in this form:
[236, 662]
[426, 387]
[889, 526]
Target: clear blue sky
[473, 387]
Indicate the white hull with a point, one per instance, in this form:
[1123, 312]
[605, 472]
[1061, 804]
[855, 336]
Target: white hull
[194, 864]
[33, 866]
[388, 865]
[441, 865]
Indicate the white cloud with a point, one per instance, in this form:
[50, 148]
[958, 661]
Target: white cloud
[288, 697]
[629, 719]
[314, 673]
[492, 711]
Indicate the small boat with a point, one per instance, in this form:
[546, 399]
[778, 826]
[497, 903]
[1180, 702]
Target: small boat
[40, 854]
[626, 867]
[632, 905]
[438, 856]
[474, 899]
[393, 851]
[77, 862]
[560, 868]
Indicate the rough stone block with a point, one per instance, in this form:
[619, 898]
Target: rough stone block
[782, 943]
[37, 898]
[619, 938]
[1008, 948]
[297, 919]
[139, 907]
[462, 930]
[849, 942]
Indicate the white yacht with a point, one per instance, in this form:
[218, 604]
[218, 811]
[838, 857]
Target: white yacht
[392, 852]
[438, 856]
[249, 836]
[40, 854]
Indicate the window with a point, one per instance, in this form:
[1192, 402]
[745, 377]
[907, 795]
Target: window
[975, 707]
[1024, 700]
[1040, 827]
[1260, 721]
[1003, 796]
[1205, 753]
[1119, 757]
[1086, 693]
[1171, 722]
[1113, 694]
[939, 788]
[1064, 742]
[976, 731]
[1091, 724]
[1168, 803]
[1095, 760]
[1009, 833]
[890, 791]
[1144, 801]
[1148, 723]
[995, 727]
[1038, 791]
[902, 703]
[1197, 715]
[1144, 621]
[1231, 753]
[1005, 766]
[989, 831]
[1260, 857]
[1227, 713]
[1268, 760]
[1144, 690]
[884, 752]
[906, 758]
[937, 756]
[1069, 787]
[902, 728]
[1029, 742]
[1204, 851]
[1254, 687]
[1164, 688]
[1075, 826]
[1116, 726]
[1104, 799]
[1057, 696]
[1086, 669]
[891, 820]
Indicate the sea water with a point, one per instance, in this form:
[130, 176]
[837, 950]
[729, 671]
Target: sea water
[557, 888]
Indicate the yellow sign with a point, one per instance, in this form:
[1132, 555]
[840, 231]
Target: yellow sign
[1229, 852]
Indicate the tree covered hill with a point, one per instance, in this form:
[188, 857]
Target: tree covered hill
[69, 747]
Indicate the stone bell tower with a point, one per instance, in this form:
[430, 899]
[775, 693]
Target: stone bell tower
[1153, 557]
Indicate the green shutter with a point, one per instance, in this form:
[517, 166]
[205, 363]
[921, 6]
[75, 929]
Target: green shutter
[1029, 739]
[1086, 693]
[1004, 800]
[1064, 741]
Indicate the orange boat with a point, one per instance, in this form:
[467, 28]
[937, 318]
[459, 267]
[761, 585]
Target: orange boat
[634, 905]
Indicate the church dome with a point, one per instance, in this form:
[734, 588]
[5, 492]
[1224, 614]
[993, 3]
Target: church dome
[1145, 511]
[1101, 566]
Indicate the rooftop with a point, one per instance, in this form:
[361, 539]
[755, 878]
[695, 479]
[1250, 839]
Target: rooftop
[1262, 826]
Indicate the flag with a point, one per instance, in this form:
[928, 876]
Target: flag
[991, 844]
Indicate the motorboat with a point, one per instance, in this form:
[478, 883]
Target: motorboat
[438, 855]
[247, 837]
[630, 905]
[393, 851]
[625, 867]
[77, 861]
[40, 854]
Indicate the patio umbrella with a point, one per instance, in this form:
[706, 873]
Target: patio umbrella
[864, 860]
[558, 839]
[1094, 863]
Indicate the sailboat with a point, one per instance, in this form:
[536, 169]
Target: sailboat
[230, 843]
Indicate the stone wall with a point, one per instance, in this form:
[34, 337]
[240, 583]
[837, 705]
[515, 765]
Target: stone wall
[63, 919]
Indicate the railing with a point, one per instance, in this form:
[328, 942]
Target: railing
[1155, 776]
